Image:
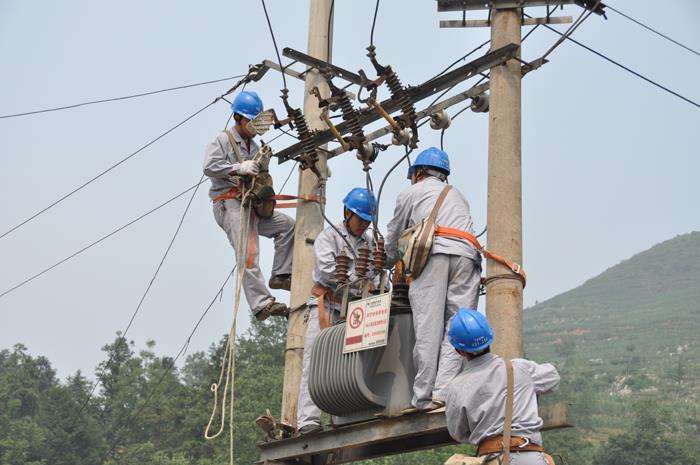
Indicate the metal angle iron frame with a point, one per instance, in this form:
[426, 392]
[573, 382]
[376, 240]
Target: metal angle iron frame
[472, 5]
[415, 94]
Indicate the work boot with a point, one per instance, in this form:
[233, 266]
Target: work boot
[281, 281]
[272, 309]
[309, 429]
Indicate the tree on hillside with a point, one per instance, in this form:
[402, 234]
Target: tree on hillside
[649, 442]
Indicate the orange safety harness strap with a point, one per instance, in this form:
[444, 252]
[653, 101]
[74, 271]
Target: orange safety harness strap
[234, 193]
[306, 198]
[454, 232]
[321, 292]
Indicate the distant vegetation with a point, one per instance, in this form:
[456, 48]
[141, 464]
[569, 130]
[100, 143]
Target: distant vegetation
[626, 344]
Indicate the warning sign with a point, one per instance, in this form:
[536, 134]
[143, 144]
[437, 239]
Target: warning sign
[367, 324]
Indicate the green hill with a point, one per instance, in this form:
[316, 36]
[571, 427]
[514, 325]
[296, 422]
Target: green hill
[625, 341]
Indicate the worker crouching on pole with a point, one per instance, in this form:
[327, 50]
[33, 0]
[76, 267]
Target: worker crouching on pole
[229, 158]
[494, 398]
[444, 273]
[359, 207]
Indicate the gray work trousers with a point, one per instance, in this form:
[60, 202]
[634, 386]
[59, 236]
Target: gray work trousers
[307, 412]
[446, 284]
[279, 227]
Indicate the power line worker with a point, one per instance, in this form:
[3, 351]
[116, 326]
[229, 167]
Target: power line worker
[359, 207]
[449, 278]
[227, 159]
[476, 399]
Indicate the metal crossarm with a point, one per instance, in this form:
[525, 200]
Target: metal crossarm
[369, 115]
[322, 66]
[466, 5]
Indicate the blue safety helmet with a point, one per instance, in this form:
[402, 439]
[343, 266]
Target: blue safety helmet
[247, 104]
[470, 331]
[432, 157]
[361, 202]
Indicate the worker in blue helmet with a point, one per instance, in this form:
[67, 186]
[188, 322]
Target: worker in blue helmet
[476, 398]
[447, 277]
[347, 237]
[231, 156]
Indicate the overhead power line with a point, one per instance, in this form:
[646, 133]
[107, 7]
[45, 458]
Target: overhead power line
[626, 68]
[115, 99]
[274, 42]
[183, 349]
[103, 172]
[649, 28]
[141, 300]
[101, 239]
[374, 23]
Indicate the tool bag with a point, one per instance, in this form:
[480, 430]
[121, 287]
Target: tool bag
[260, 185]
[416, 242]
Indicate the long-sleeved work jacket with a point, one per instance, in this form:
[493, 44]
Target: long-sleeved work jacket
[221, 163]
[415, 203]
[475, 400]
[328, 245]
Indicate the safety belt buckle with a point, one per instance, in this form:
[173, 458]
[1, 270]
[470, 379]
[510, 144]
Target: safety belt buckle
[527, 442]
[516, 268]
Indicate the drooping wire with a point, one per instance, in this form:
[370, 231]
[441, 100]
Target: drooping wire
[649, 28]
[582, 17]
[386, 176]
[101, 239]
[328, 32]
[103, 172]
[173, 361]
[274, 42]
[626, 68]
[452, 65]
[374, 23]
[115, 99]
[141, 300]
[289, 176]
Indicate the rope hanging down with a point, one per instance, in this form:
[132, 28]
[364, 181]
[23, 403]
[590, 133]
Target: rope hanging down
[166, 369]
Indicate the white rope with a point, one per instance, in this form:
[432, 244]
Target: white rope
[228, 361]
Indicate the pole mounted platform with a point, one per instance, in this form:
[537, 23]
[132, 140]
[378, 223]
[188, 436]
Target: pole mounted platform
[379, 438]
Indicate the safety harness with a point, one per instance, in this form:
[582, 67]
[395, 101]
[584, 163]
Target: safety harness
[506, 443]
[416, 243]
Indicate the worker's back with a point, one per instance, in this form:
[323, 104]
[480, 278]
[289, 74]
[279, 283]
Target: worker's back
[476, 398]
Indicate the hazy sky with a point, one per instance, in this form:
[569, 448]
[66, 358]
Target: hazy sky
[610, 162]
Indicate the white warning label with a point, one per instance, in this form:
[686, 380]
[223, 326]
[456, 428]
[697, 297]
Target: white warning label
[367, 324]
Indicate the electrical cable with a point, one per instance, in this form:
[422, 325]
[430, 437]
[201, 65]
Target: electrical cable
[626, 68]
[570, 30]
[386, 176]
[374, 22]
[274, 42]
[94, 243]
[328, 32]
[173, 361]
[288, 176]
[649, 28]
[458, 60]
[103, 172]
[142, 299]
[114, 99]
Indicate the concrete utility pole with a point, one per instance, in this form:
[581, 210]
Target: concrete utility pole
[309, 221]
[504, 297]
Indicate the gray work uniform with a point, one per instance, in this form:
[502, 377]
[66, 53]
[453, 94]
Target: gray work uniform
[449, 281]
[220, 162]
[327, 245]
[475, 402]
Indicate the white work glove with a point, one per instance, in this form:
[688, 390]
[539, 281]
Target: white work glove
[249, 168]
